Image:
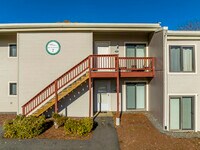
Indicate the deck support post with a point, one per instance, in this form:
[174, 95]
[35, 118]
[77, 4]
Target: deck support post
[90, 87]
[117, 84]
[56, 96]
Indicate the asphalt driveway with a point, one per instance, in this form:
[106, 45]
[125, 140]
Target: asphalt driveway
[104, 137]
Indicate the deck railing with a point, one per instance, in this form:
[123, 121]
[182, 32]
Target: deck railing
[103, 62]
[136, 64]
[93, 63]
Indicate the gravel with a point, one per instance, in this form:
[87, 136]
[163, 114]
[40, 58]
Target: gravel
[189, 134]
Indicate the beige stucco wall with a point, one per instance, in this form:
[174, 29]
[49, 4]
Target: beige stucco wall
[120, 39]
[37, 68]
[156, 85]
[8, 72]
[184, 83]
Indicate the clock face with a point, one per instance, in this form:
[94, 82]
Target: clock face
[53, 47]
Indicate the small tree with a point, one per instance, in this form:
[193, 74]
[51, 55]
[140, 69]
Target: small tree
[190, 26]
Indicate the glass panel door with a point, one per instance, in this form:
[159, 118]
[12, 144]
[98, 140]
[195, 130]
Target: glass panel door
[130, 96]
[140, 50]
[181, 113]
[174, 113]
[135, 95]
[140, 96]
[187, 113]
[130, 50]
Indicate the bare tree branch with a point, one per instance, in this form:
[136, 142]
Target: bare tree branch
[190, 26]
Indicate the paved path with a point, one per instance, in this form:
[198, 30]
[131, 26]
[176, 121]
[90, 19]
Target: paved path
[104, 137]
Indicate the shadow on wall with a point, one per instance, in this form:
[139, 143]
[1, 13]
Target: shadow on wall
[64, 103]
[102, 89]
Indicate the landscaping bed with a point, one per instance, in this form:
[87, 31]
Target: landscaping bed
[58, 127]
[137, 132]
[4, 117]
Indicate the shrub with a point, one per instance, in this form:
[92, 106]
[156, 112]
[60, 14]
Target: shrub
[78, 127]
[24, 127]
[59, 120]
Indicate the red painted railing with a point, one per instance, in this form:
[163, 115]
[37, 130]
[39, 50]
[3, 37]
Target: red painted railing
[103, 62]
[91, 63]
[136, 64]
[59, 83]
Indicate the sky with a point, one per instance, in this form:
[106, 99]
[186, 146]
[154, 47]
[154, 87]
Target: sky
[171, 13]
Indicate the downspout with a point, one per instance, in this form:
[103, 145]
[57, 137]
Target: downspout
[165, 82]
[18, 107]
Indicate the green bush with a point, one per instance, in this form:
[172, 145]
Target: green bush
[78, 127]
[59, 120]
[24, 127]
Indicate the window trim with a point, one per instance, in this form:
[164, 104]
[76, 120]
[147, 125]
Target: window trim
[10, 82]
[9, 50]
[180, 97]
[193, 60]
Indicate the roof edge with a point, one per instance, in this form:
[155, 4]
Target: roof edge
[78, 25]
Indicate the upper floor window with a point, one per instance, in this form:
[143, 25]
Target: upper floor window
[12, 50]
[181, 58]
[13, 88]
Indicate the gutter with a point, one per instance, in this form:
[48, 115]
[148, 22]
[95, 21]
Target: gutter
[78, 27]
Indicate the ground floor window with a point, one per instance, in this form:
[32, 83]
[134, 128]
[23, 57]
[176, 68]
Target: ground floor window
[182, 113]
[135, 95]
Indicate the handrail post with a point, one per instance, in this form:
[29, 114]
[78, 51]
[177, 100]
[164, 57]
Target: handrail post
[153, 65]
[56, 96]
[117, 84]
[116, 64]
[90, 85]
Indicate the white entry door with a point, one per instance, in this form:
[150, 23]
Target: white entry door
[103, 95]
[102, 48]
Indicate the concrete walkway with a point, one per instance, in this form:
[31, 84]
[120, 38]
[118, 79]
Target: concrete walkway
[104, 137]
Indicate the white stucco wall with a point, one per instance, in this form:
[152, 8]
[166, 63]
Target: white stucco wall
[184, 84]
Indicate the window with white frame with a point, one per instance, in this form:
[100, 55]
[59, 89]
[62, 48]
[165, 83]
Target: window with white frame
[12, 88]
[181, 58]
[12, 50]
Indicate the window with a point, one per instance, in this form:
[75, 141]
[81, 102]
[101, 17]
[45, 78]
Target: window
[12, 50]
[12, 88]
[182, 113]
[135, 50]
[181, 59]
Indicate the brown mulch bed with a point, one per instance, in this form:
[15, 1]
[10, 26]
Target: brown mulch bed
[59, 134]
[4, 117]
[137, 132]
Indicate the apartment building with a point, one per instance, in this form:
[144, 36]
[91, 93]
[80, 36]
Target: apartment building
[80, 69]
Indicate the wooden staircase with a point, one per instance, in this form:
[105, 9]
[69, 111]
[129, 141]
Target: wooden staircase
[93, 66]
[61, 95]
[58, 89]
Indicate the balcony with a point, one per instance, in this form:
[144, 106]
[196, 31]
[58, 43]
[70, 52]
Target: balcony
[105, 66]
